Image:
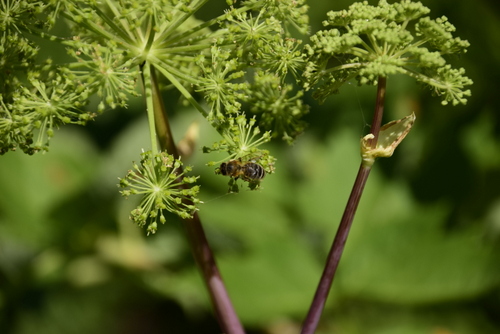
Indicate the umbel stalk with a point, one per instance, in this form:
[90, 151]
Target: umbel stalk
[313, 316]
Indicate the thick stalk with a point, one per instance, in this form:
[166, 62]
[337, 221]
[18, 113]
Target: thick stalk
[226, 315]
[333, 259]
[224, 310]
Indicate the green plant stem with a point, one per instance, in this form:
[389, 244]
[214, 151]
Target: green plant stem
[204, 257]
[161, 122]
[148, 78]
[314, 314]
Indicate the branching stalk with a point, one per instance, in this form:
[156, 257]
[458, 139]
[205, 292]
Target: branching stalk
[223, 308]
[333, 259]
[183, 91]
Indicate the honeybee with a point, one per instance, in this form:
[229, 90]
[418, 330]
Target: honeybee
[248, 171]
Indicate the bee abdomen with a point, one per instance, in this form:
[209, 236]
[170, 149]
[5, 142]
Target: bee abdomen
[253, 171]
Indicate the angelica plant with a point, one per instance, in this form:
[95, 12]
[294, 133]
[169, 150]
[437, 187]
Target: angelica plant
[369, 44]
[119, 50]
[235, 69]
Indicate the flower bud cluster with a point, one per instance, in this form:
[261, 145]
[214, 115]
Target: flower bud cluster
[162, 182]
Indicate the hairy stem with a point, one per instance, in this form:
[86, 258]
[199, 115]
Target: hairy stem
[225, 313]
[333, 259]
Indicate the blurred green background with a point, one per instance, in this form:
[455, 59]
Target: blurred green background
[423, 255]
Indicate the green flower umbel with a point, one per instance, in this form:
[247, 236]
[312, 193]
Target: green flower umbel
[366, 42]
[160, 179]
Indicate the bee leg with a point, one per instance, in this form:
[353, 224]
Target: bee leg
[233, 186]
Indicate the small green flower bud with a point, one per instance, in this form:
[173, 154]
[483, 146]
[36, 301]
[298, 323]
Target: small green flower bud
[152, 227]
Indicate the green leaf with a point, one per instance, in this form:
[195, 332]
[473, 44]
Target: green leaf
[33, 186]
[400, 253]
[398, 250]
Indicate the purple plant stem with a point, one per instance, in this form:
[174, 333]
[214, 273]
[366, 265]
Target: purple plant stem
[379, 110]
[314, 314]
[226, 315]
[204, 257]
